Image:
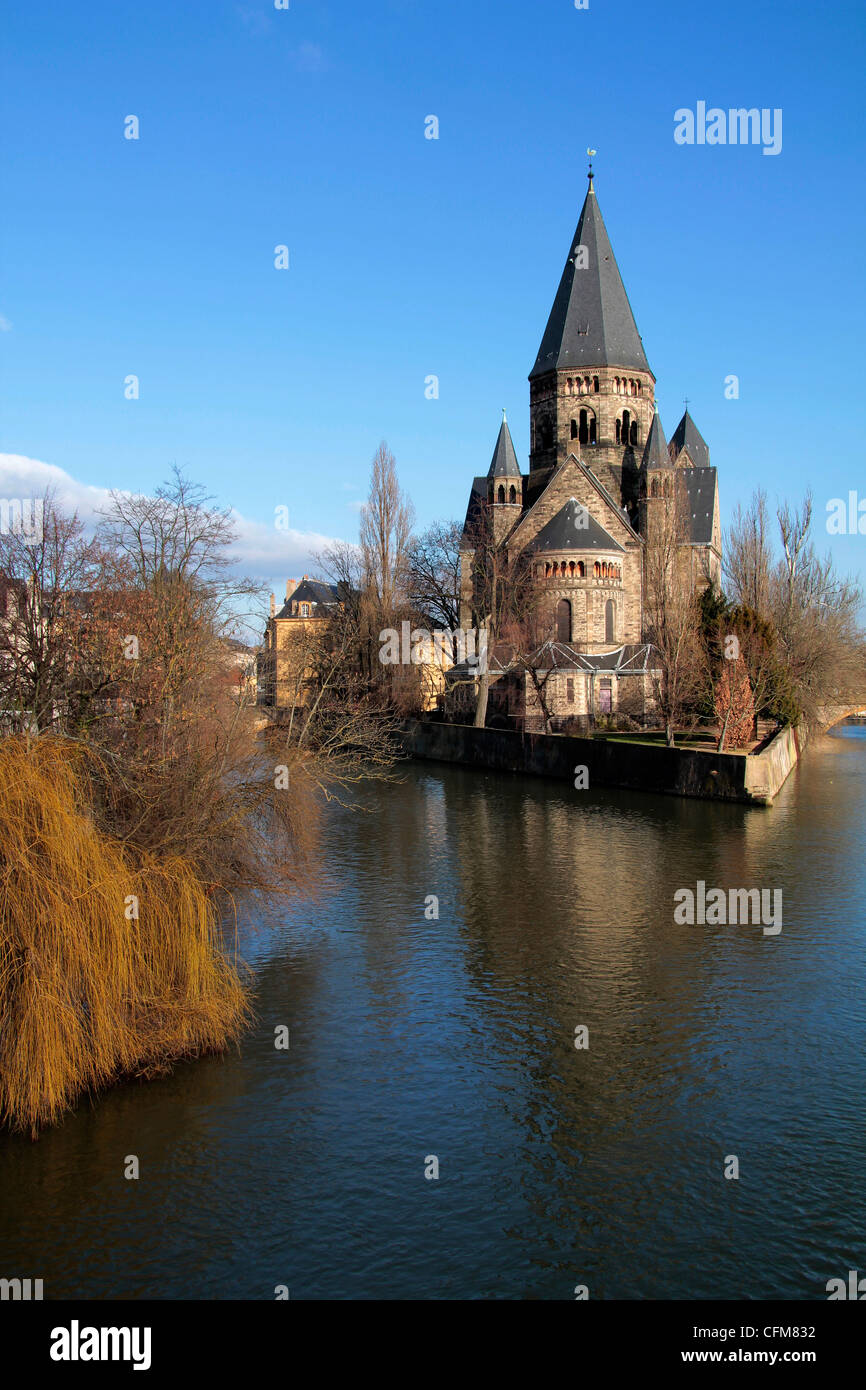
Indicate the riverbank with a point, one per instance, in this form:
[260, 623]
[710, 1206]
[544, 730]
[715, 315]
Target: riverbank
[452, 1033]
[753, 778]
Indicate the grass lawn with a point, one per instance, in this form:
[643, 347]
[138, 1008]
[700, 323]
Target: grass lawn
[703, 740]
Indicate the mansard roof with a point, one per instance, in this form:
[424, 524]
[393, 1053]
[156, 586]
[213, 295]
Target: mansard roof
[573, 528]
[701, 484]
[687, 436]
[655, 454]
[313, 591]
[504, 462]
[591, 323]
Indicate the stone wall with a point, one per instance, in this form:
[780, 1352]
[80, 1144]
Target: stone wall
[611, 763]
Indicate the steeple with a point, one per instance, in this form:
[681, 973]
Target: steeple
[504, 462]
[591, 323]
[656, 455]
[687, 436]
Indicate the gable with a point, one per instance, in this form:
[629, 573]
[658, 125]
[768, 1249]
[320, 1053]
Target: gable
[574, 480]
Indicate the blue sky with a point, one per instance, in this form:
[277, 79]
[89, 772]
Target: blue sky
[411, 257]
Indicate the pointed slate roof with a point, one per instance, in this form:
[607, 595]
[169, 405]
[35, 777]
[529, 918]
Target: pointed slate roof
[591, 323]
[655, 454]
[701, 485]
[504, 462]
[573, 528]
[687, 436]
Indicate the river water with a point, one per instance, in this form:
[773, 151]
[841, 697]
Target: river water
[413, 1037]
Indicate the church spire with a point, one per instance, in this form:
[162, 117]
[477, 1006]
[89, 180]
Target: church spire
[504, 462]
[591, 323]
[687, 436]
[656, 455]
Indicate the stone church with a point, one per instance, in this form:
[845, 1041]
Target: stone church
[599, 467]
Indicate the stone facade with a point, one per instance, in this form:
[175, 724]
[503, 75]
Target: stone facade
[600, 471]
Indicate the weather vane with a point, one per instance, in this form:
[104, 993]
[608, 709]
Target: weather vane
[592, 154]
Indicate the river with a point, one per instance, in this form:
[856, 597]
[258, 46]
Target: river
[414, 1037]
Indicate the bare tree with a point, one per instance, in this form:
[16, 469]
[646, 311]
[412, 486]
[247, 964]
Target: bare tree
[748, 555]
[672, 615]
[798, 620]
[55, 657]
[503, 597]
[386, 531]
[434, 575]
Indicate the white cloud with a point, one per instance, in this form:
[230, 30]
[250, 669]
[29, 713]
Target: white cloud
[263, 552]
[25, 477]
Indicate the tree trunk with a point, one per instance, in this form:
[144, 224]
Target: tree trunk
[723, 734]
[669, 734]
[481, 706]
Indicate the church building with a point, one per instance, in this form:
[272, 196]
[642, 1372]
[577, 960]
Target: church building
[579, 518]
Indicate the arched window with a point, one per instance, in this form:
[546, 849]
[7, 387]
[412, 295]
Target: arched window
[583, 433]
[633, 432]
[512, 494]
[547, 570]
[581, 570]
[593, 438]
[500, 496]
[667, 487]
[654, 489]
[618, 428]
[626, 420]
[563, 621]
[595, 384]
[571, 569]
[570, 386]
[596, 569]
[609, 620]
[562, 569]
[574, 428]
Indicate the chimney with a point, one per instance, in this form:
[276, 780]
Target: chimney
[273, 605]
[291, 586]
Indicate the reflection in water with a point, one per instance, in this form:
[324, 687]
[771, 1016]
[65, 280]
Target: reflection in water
[455, 1037]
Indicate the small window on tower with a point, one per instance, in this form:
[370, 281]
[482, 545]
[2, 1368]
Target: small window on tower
[512, 494]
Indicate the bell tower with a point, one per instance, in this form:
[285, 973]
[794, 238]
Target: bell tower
[504, 484]
[591, 390]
